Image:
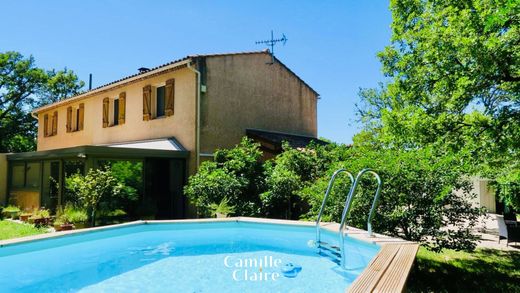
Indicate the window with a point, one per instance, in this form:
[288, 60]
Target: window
[116, 112]
[18, 175]
[50, 124]
[75, 116]
[32, 177]
[25, 175]
[160, 101]
[77, 120]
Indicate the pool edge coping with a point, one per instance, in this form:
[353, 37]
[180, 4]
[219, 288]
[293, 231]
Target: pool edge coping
[352, 232]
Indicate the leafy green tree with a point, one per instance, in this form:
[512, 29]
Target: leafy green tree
[20, 81]
[23, 86]
[61, 84]
[94, 188]
[453, 72]
[235, 174]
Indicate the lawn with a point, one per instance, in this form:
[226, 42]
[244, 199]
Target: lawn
[484, 270]
[10, 230]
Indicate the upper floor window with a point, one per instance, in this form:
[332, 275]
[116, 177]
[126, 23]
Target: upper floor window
[75, 118]
[50, 124]
[160, 106]
[114, 110]
[158, 100]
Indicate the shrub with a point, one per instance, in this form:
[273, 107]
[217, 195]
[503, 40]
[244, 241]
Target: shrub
[223, 208]
[235, 174]
[93, 188]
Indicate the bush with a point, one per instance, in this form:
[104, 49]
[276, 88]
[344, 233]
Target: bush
[235, 174]
[424, 198]
[93, 189]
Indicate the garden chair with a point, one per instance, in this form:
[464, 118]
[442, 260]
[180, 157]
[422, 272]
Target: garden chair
[509, 231]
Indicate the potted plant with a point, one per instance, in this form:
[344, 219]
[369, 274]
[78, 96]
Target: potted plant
[40, 218]
[62, 222]
[11, 211]
[25, 216]
[76, 216]
[221, 210]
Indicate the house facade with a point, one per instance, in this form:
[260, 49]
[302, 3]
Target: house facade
[165, 120]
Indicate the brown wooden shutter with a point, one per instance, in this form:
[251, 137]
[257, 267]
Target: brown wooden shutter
[122, 108]
[81, 116]
[46, 125]
[147, 102]
[170, 97]
[55, 123]
[106, 102]
[69, 119]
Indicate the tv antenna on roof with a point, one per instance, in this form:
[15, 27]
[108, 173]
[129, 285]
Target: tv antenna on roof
[273, 42]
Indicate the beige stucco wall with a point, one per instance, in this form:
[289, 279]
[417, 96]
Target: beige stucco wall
[486, 194]
[245, 92]
[181, 125]
[3, 179]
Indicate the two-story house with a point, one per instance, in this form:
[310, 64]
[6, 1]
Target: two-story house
[166, 120]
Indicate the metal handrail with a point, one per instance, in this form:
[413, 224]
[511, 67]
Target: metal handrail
[329, 188]
[348, 204]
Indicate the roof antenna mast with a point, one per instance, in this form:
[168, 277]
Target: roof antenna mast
[273, 42]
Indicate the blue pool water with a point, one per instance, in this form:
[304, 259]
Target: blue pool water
[182, 257]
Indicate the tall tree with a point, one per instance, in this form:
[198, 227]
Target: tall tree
[23, 86]
[453, 71]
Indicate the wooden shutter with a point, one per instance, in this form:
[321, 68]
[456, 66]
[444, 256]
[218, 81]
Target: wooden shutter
[106, 102]
[81, 116]
[55, 123]
[122, 109]
[147, 102]
[169, 96]
[69, 119]
[46, 125]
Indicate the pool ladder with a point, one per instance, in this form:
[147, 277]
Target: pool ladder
[337, 253]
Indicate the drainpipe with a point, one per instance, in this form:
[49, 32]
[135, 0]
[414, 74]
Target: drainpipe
[197, 120]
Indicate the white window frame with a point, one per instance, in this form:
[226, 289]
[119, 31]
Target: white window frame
[154, 99]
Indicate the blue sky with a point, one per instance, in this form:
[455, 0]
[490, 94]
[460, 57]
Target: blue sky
[332, 44]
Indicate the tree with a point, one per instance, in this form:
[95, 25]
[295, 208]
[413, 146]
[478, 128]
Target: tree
[235, 174]
[61, 84]
[453, 71]
[94, 188]
[23, 86]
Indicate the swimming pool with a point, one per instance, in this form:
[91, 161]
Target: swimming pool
[184, 256]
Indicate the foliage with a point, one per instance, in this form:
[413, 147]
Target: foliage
[23, 86]
[61, 84]
[71, 215]
[235, 174]
[11, 209]
[223, 208]
[9, 230]
[94, 188]
[40, 214]
[453, 83]
[423, 194]
[484, 270]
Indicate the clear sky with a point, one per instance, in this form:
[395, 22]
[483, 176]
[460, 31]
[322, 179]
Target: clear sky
[332, 44]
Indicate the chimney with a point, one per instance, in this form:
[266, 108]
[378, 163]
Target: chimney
[143, 69]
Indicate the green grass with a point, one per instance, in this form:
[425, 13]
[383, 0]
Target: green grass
[10, 230]
[484, 270]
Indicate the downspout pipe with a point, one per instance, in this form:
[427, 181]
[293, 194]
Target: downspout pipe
[197, 120]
